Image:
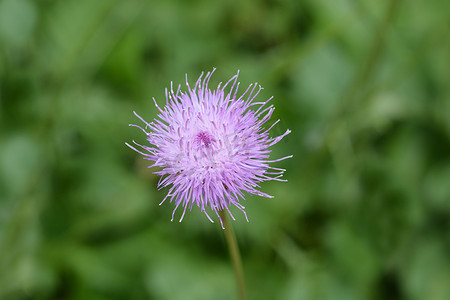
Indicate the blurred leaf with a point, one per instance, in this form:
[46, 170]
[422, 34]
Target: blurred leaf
[17, 22]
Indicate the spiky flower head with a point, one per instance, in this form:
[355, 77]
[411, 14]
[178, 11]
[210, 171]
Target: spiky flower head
[211, 146]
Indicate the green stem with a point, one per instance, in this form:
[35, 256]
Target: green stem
[369, 67]
[235, 256]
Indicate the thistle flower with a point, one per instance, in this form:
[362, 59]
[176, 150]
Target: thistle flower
[211, 146]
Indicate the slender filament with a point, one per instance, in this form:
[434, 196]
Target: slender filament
[234, 254]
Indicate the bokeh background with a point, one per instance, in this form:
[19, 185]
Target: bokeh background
[363, 85]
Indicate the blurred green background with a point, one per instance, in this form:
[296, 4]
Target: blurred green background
[363, 85]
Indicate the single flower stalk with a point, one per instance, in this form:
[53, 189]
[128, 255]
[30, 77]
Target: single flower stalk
[211, 146]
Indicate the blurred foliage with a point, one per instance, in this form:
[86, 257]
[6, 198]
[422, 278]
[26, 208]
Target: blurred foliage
[364, 86]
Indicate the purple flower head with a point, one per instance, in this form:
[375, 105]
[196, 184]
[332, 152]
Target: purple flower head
[211, 146]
